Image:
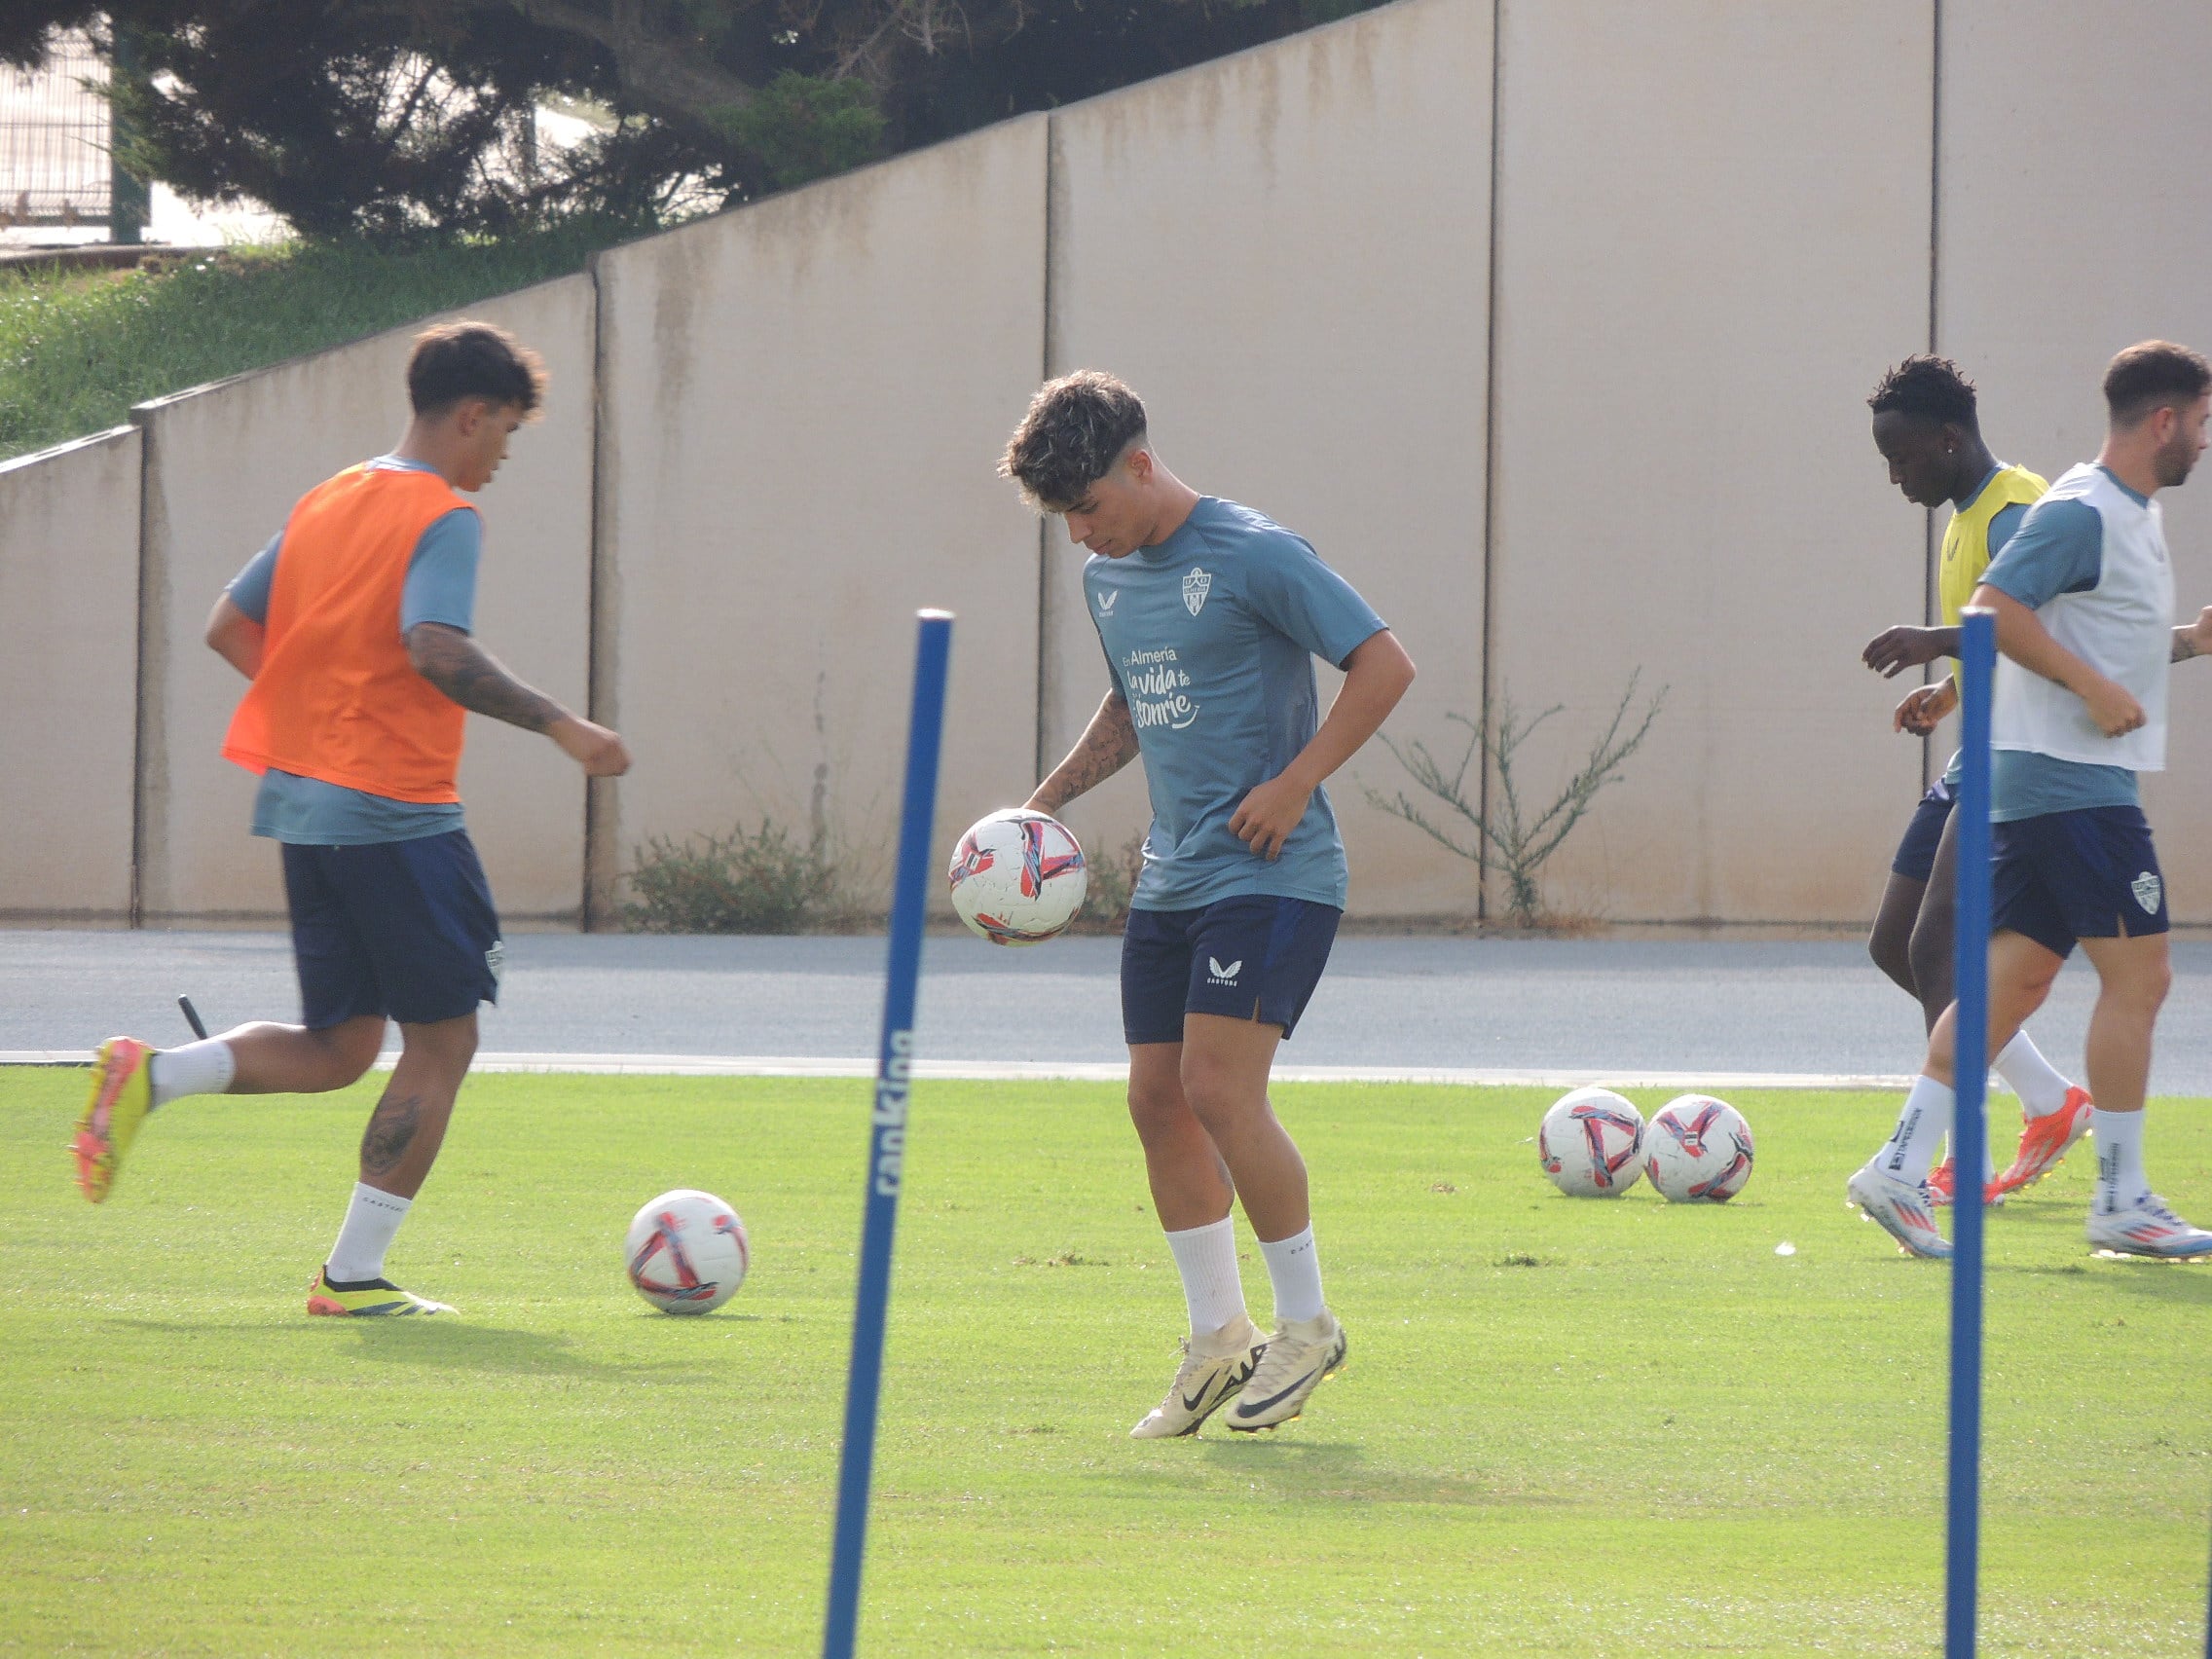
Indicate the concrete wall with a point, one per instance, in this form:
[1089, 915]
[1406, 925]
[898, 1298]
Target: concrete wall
[1612, 420]
[225, 465]
[1288, 254]
[804, 405]
[2074, 223]
[1713, 234]
[68, 678]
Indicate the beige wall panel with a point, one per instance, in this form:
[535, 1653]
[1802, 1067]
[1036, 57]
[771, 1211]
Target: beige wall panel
[804, 402]
[226, 464]
[1712, 237]
[2076, 219]
[68, 677]
[1288, 254]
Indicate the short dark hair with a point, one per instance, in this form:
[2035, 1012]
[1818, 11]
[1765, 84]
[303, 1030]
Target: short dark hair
[473, 359]
[2153, 374]
[1930, 388]
[1076, 429]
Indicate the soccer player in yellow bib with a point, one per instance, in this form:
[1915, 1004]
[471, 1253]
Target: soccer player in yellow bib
[1928, 429]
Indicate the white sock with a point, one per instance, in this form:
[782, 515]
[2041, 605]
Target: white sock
[2119, 1161]
[1207, 1257]
[205, 1067]
[1295, 1268]
[1921, 1127]
[371, 1220]
[2041, 1086]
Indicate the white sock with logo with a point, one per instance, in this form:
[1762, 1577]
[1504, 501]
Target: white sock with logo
[2041, 1086]
[1207, 1257]
[1295, 1268]
[205, 1067]
[371, 1221]
[1921, 1127]
[2121, 1181]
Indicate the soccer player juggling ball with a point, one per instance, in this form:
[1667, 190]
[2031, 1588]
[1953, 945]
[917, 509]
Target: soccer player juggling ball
[1210, 616]
[353, 628]
[2083, 594]
[1928, 431]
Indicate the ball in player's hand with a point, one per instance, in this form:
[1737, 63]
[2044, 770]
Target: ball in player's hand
[1017, 877]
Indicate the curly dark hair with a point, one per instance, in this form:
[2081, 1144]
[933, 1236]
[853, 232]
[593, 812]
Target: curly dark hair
[1932, 389]
[1076, 429]
[473, 359]
[2152, 374]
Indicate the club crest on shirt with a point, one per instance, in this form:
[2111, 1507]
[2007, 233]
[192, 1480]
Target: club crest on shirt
[1195, 586]
[2145, 888]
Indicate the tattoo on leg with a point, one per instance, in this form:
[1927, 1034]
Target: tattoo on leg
[390, 1132]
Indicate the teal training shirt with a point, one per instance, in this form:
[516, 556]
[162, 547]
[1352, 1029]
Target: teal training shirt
[1211, 636]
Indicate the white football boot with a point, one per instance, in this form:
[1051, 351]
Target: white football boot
[1905, 1210]
[2147, 1227]
[1214, 1367]
[1300, 1355]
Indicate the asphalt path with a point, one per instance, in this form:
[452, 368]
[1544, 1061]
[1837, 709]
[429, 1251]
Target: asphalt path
[1601, 1006]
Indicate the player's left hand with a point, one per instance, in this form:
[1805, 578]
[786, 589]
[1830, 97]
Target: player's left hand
[1266, 817]
[1925, 706]
[1892, 650]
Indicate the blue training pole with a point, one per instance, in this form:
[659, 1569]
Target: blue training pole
[1977, 663]
[886, 1141]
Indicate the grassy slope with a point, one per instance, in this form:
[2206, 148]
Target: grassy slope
[1662, 1438]
[77, 351]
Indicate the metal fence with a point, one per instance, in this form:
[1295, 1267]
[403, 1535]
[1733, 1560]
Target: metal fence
[54, 128]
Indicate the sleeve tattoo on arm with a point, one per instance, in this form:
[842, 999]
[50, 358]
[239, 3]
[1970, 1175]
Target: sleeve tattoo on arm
[1107, 744]
[475, 679]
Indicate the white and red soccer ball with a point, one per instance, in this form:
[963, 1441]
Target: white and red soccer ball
[1590, 1143]
[1017, 877]
[687, 1252]
[1697, 1150]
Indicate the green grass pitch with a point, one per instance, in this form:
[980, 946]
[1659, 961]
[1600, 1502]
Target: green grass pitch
[1566, 1428]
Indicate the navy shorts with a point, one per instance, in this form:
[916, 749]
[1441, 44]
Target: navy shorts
[2092, 873]
[1916, 853]
[1253, 956]
[404, 929]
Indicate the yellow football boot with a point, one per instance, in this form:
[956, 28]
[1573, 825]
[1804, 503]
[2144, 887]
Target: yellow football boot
[369, 1299]
[123, 1094]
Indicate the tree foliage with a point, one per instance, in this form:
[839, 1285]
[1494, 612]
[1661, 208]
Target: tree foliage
[390, 116]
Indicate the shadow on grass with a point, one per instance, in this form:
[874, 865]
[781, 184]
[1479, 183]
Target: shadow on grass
[1336, 1472]
[440, 1343]
[2188, 1283]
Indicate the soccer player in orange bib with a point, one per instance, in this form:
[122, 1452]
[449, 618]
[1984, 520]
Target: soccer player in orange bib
[353, 629]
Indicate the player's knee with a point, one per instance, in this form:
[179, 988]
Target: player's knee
[1891, 948]
[1155, 1104]
[1928, 955]
[2146, 988]
[449, 1044]
[353, 1048]
[1218, 1098]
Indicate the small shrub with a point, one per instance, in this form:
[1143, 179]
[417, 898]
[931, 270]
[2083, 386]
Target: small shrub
[1503, 835]
[1113, 883]
[745, 882]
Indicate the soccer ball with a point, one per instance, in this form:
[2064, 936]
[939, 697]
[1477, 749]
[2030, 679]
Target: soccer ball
[1017, 877]
[1697, 1150]
[687, 1252]
[1589, 1144]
